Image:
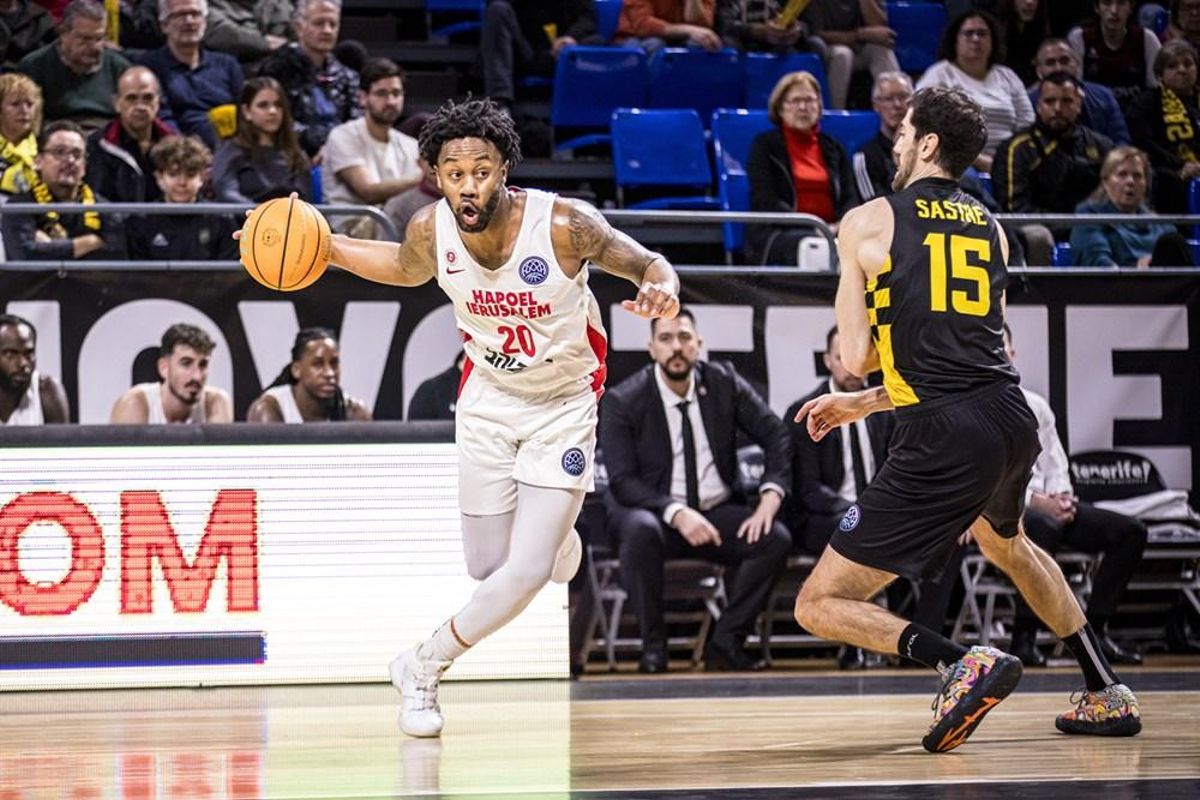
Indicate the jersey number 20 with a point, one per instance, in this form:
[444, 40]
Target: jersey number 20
[960, 250]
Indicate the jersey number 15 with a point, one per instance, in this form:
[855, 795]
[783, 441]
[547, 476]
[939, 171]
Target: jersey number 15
[961, 248]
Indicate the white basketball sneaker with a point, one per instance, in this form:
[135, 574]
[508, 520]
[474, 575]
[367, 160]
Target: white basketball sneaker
[417, 682]
[566, 563]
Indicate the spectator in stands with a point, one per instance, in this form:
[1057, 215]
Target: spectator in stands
[795, 167]
[248, 30]
[1026, 25]
[749, 25]
[309, 387]
[20, 121]
[1056, 519]
[874, 168]
[1050, 167]
[402, 207]
[829, 475]
[180, 169]
[183, 395]
[1124, 179]
[1185, 22]
[971, 53]
[77, 73]
[27, 397]
[669, 434]
[61, 164]
[367, 161]
[521, 39]
[119, 165]
[322, 91]
[1115, 50]
[24, 27]
[654, 24]
[200, 86]
[1165, 122]
[858, 37]
[263, 159]
[1101, 111]
[437, 397]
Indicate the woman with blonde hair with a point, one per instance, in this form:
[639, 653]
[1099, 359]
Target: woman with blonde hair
[263, 160]
[795, 167]
[20, 121]
[1124, 184]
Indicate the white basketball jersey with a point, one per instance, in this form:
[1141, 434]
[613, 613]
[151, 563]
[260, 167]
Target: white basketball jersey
[156, 416]
[526, 325]
[29, 410]
[287, 403]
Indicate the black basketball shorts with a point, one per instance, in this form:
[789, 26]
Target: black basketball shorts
[950, 462]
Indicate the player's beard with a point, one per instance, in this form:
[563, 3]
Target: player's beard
[904, 169]
[14, 383]
[182, 397]
[484, 216]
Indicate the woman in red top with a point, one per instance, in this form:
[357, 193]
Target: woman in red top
[795, 167]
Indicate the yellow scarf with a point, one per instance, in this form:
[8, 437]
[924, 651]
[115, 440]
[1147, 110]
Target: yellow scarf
[18, 170]
[1177, 124]
[53, 225]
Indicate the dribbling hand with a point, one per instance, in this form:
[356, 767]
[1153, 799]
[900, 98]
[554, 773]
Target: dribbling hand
[654, 300]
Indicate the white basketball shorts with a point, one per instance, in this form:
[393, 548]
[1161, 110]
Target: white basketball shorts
[504, 437]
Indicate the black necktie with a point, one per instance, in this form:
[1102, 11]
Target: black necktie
[856, 458]
[689, 458]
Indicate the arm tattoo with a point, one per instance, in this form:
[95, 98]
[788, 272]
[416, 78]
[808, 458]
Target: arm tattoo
[590, 233]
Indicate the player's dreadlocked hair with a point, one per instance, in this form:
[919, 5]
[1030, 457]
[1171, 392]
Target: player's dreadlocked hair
[337, 408]
[470, 119]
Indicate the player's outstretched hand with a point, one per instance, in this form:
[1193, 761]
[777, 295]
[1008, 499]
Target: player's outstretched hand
[829, 411]
[654, 300]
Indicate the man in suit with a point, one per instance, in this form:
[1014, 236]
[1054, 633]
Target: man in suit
[830, 473]
[669, 436]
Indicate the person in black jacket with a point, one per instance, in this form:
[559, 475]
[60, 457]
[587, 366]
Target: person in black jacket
[520, 39]
[1165, 122]
[795, 167]
[826, 473]
[437, 397]
[180, 167]
[669, 435]
[874, 167]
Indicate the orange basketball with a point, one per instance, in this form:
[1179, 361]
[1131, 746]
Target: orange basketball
[285, 244]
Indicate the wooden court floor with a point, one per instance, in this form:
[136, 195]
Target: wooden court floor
[736, 737]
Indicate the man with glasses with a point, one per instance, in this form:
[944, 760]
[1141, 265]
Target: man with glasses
[368, 161]
[201, 87]
[1101, 112]
[61, 163]
[77, 73]
[874, 168]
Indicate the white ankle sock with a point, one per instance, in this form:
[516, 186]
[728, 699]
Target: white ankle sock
[444, 645]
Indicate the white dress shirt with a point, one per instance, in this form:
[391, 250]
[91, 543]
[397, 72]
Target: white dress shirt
[848, 491]
[1051, 471]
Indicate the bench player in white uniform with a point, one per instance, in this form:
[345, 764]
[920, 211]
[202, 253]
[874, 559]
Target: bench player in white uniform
[183, 396]
[26, 396]
[514, 263]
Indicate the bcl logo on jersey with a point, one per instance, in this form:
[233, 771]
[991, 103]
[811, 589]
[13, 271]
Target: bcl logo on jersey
[574, 462]
[534, 270]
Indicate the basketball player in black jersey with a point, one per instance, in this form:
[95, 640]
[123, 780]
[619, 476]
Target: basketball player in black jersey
[930, 263]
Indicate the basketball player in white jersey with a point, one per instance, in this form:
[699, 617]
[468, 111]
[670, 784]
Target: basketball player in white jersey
[26, 396]
[184, 395]
[514, 263]
[309, 387]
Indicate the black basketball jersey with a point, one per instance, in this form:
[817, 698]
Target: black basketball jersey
[935, 308]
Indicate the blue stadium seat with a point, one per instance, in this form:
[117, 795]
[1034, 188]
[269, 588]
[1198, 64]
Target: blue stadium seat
[589, 82]
[918, 28]
[661, 147]
[1062, 254]
[852, 129]
[461, 7]
[733, 189]
[684, 78]
[318, 188]
[733, 131]
[608, 17]
[763, 71]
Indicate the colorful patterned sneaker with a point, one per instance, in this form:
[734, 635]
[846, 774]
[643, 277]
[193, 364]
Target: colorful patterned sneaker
[1112, 711]
[974, 685]
[417, 681]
